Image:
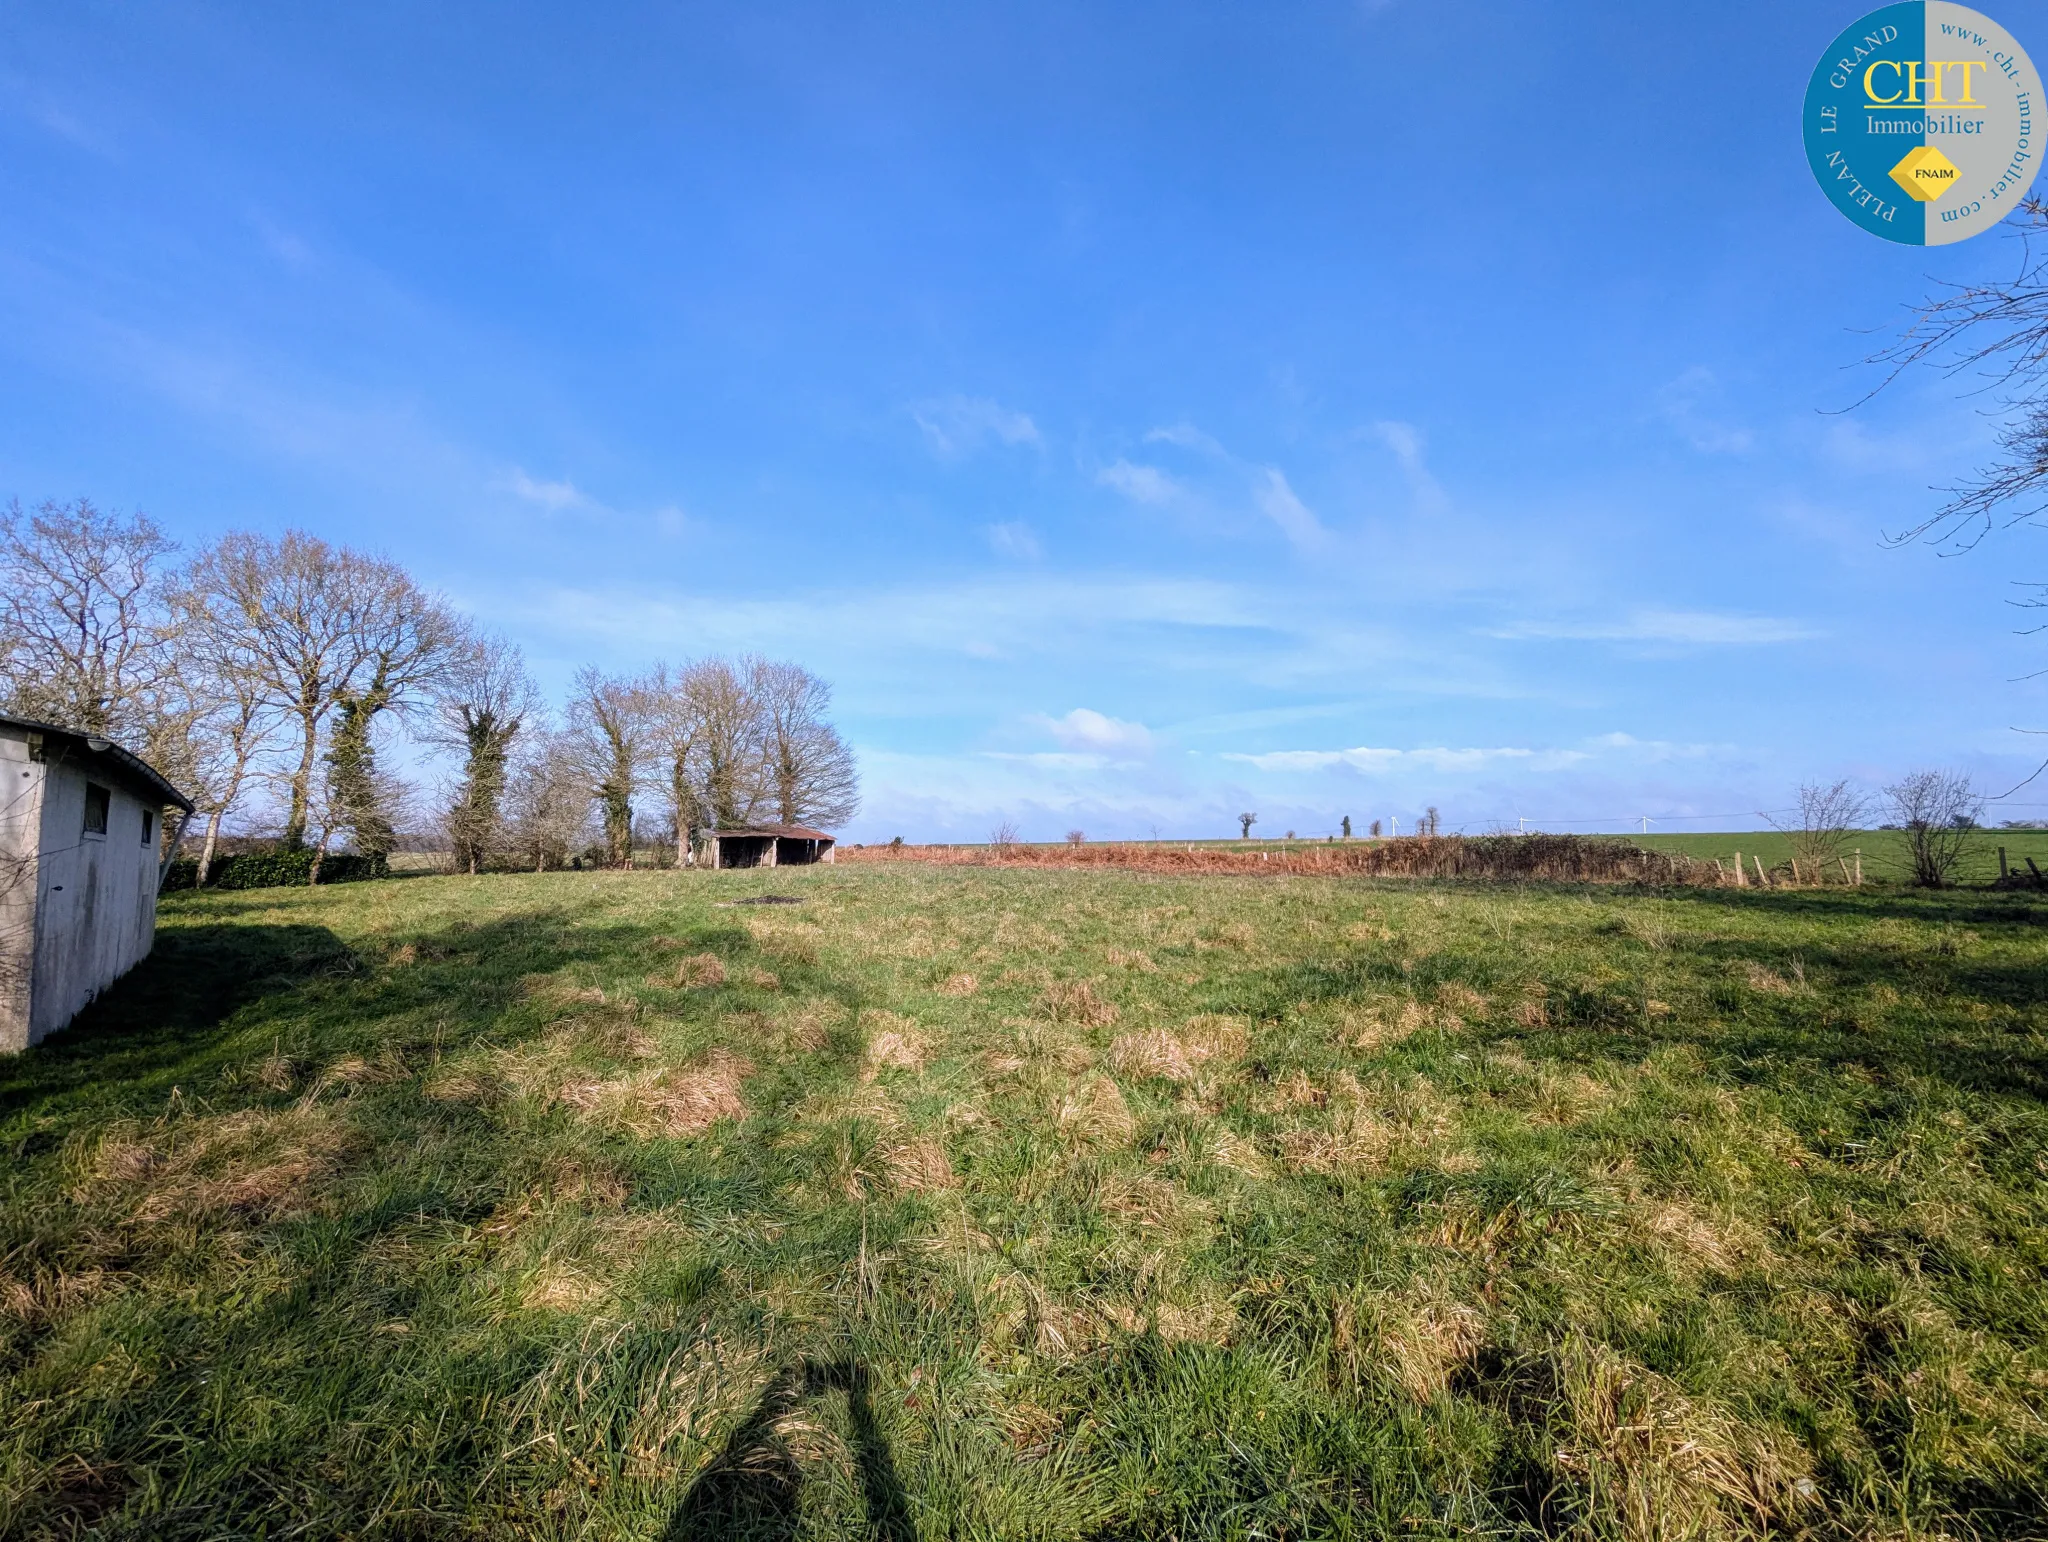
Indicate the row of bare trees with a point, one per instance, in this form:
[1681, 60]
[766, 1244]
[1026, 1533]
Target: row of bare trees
[278, 666]
[721, 743]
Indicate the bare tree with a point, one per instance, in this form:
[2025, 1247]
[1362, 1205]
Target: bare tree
[481, 706]
[1002, 837]
[322, 626]
[610, 726]
[808, 768]
[728, 752]
[547, 798]
[1939, 811]
[1829, 814]
[83, 624]
[674, 729]
[1244, 825]
[1996, 330]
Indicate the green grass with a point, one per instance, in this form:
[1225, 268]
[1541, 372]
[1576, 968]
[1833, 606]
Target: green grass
[1004, 1203]
[1884, 851]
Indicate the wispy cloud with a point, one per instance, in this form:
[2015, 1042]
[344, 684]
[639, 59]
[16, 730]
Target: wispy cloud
[553, 496]
[1367, 758]
[1012, 538]
[1405, 441]
[1084, 729]
[959, 425]
[1140, 484]
[1692, 627]
[1188, 437]
[1686, 404]
[1277, 501]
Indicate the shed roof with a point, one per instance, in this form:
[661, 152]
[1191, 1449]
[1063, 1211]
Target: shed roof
[93, 744]
[786, 832]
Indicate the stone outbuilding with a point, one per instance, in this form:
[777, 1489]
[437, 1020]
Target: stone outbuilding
[82, 854]
[763, 846]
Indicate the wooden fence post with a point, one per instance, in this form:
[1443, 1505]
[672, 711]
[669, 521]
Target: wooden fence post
[1741, 881]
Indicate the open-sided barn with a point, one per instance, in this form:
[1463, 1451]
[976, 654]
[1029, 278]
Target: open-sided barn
[763, 846]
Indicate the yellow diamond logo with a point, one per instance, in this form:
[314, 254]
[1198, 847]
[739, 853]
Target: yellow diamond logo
[1925, 173]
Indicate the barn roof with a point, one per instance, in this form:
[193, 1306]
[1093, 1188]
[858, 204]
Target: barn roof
[787, 832]
[93, 744]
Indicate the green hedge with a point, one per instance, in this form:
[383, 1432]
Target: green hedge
[274, 870]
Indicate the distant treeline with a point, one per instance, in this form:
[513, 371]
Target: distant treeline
[278, 668]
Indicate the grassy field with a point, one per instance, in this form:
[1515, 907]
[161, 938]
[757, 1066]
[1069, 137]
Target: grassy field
[1008, 1203]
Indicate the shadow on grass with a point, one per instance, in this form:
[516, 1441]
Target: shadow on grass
[169, 1014]
[752, 1489]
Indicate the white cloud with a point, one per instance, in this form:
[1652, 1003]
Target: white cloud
[549, 495]
[1277, 501]
[1188, 437]
[1140, 484]
[959, 425]
[1083, 729]
[1405, 441]
[1014, 539]
[1367, 758]
[1684, 404]
[1696, 627]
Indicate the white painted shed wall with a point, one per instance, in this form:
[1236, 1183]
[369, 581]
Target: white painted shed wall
[91, 898]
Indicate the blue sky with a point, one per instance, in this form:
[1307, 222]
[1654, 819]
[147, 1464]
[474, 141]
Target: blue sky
[1139, 412]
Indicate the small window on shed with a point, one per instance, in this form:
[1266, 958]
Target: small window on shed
[148, 825]
[96, 799]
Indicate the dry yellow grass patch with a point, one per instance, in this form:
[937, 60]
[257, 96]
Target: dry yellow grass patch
[464, 1081]
[1294, 1090]
[1389, 1023]
[1228, 1149]
[701, 971]
[249, 1162]
[409, 954]
[1369, 931]
[1416, 1337]
[808, 1027]
[1075, 1002]
[1178, 1056]
[763, 979]
[893, 1043]
[354, 1071]
[958, 985]
[1566, 1099]
[1096, 1111]
[918, 1165]
[1355, 1138]
[1703, 1241]
[1648, 1463]
[682, 1100]
[50, 1295]
[1760, 978]
[1141, 962]
[1462, 999]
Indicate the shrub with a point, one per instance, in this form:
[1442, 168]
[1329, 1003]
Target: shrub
[281, 869]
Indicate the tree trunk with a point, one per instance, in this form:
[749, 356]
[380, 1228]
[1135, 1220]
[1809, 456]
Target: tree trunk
[302, 784]
[206, 850]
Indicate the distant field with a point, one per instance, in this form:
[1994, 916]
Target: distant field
[979, 1203]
